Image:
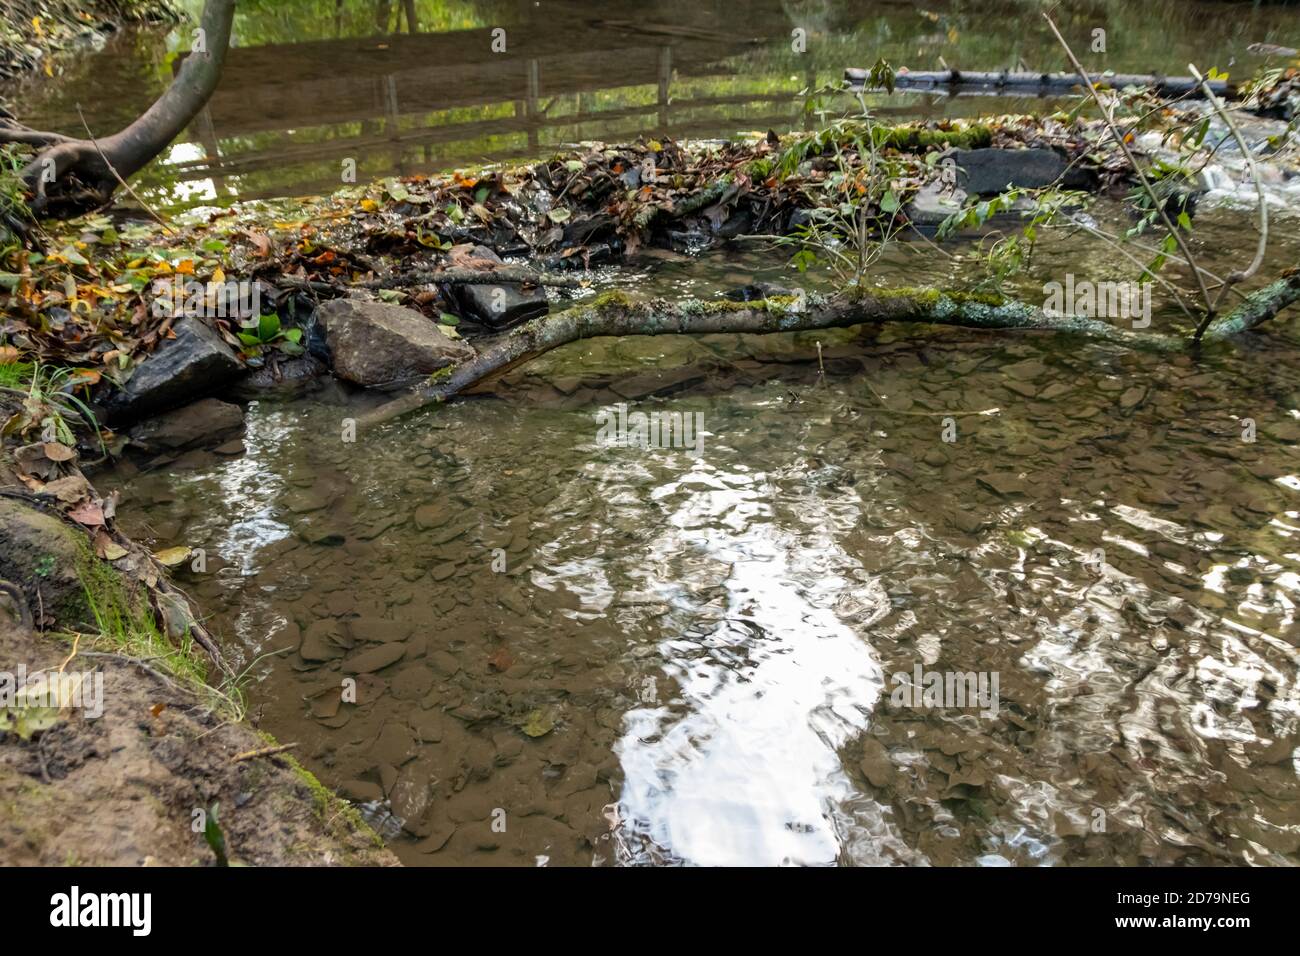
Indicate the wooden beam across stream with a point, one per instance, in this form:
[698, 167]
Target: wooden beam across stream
[1023, 83]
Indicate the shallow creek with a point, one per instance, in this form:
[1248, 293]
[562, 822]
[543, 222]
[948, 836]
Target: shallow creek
[626, 656]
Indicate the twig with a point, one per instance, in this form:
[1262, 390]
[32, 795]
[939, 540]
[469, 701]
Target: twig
[76, 643]
[263, 752]
[125, 185]
[1118, 247]
[1159, 206]
[1235, 277]
[1173, 257]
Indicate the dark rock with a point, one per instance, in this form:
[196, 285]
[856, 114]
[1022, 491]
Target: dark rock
[361, 791]
[377, 344]
[206, 423]
[987, 171]
[757, 291]
[192, 365]
[280, 380]
[498, 305]
[43, 555]
[739, 223]
[798, 217]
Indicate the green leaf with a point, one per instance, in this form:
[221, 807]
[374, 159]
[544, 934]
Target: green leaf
[268, 327]
[558, 215]
[72, 255]
[889, 202]
[293, 335]
[447, 318]
[214, 836]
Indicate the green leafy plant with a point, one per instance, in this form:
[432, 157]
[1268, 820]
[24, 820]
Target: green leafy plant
[266, 332]
[215, 837]
[48, 400]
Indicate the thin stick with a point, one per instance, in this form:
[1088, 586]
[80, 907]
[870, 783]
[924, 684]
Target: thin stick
[125, 185]
[1235, 277]
[264, 752]
[1146, 185]
[76, 642]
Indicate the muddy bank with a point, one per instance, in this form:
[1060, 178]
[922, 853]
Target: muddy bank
[124, 789]
[125, 762]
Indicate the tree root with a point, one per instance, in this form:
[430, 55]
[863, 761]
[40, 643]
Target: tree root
[69, 176]
[615, 314]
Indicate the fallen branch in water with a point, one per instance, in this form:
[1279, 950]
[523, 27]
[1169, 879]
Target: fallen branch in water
[615, 314]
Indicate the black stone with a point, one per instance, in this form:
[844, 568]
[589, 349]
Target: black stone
[498, 305]
[984, 172]
[193, 364]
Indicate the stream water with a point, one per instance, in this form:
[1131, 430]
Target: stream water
[512, 642]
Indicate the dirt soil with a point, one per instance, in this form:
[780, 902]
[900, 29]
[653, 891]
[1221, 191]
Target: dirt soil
[122, 789]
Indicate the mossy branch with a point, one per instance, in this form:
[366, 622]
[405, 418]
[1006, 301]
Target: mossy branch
[617, 314]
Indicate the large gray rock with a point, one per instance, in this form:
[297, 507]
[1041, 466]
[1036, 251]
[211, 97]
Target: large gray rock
[205, 423]
[378, 344]
[498, 305]
[984, 172]
[193, 364]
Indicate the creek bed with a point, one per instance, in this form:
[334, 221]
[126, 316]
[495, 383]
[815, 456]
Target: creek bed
[644, 656]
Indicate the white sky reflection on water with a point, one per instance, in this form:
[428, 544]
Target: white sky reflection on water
[741, 766]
